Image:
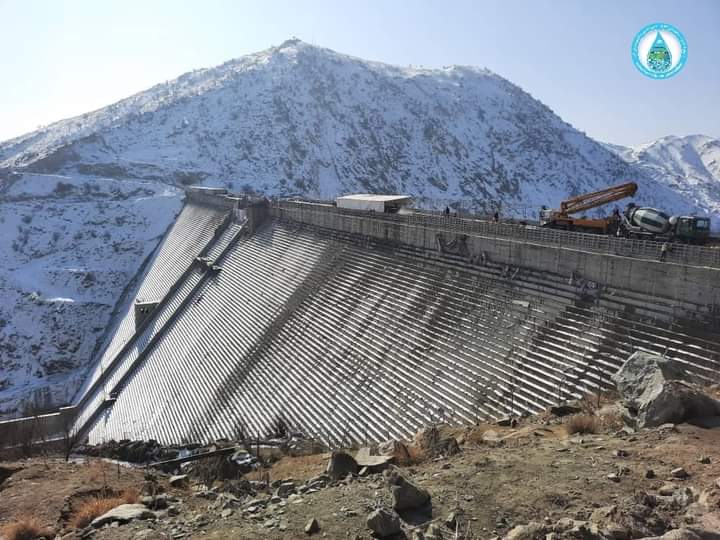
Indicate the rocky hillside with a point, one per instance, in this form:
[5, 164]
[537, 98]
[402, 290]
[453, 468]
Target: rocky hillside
[85, 200]
[69, 247]
[299, 119]
[574, 472]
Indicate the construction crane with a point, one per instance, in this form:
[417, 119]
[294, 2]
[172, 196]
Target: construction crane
[562, 218]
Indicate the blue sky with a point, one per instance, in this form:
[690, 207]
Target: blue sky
[62, 58]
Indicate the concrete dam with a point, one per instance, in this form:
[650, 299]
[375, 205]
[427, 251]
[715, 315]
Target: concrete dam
[351, 326]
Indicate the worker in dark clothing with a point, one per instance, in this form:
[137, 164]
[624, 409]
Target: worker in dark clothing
[663, 251]
[447, 210]
[496, 217]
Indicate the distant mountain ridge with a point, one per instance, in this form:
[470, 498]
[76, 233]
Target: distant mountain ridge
[303, 120]
[689, 165]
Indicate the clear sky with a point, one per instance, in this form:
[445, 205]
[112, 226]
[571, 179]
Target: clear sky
[60, 58]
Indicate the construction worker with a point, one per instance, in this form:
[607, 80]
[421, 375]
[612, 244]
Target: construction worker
[447, 210]
[496, 217]
[663, 251]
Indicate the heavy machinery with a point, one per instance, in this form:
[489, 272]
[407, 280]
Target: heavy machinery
[563, 219]
[653, 224]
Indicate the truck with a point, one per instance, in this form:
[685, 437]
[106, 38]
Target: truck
[635, 222]
[562, 218]
[653, 224]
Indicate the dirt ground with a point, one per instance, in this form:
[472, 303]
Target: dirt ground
[498, 480]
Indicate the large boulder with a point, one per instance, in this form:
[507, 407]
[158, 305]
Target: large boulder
[369, 457]
[384, 522]
[340, 465]
[655, 392]
[123, 514]
[430, 443]
[405, 494]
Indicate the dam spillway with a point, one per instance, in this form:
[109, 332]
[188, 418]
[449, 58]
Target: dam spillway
[353, 327]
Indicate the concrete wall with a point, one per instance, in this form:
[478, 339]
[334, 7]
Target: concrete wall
[689, 278]
[23, 433]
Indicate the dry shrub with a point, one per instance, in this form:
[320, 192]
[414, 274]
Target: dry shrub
[94, 507]
[581, 423]
[25, 529]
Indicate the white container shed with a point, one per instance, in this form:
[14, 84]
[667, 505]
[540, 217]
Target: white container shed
[375, 203]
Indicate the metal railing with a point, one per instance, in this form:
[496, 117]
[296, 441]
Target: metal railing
[640, 249]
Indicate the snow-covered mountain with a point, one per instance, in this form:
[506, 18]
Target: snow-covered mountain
[689, 165]
[69, 247]
[299, 119]
[85, 200]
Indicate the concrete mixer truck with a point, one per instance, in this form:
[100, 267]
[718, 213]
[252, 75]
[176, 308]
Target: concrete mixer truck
[653, 224]
[634, 222]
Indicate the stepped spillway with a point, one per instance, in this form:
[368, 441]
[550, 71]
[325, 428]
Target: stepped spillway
[348, 340]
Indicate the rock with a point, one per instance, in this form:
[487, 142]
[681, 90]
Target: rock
[564, 524]
[679, 472]
[649, 473]
[613, 477]
[178, 481]
[602, 514]
[586, 531]
[616, 532]
[531, 531]
[682, 498]
[654, 390]
[405, 494]
[635, 516]
[375, 463]
[566, 409]
[285, 489]
[451, 521]
[123, 514]
[431, 444]
[312, 526]
[705, 460]
[340, 465]
[145, 534]
[490, 436]
[396, 449]
[159, 502]
[434, 532]
[677, 534]
[642, 370]
[207, 494]
[707, 527]
[667, 490]
[226, 513]
[383, 522]
[621, 453]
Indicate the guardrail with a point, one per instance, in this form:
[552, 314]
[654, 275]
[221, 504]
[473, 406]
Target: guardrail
[640, 249]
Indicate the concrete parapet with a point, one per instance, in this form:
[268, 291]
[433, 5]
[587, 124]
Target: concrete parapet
[690, 275]
[23, 433]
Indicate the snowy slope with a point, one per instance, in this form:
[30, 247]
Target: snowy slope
[85, 200]
[69, 246]
[689, 165]
[299, 119]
